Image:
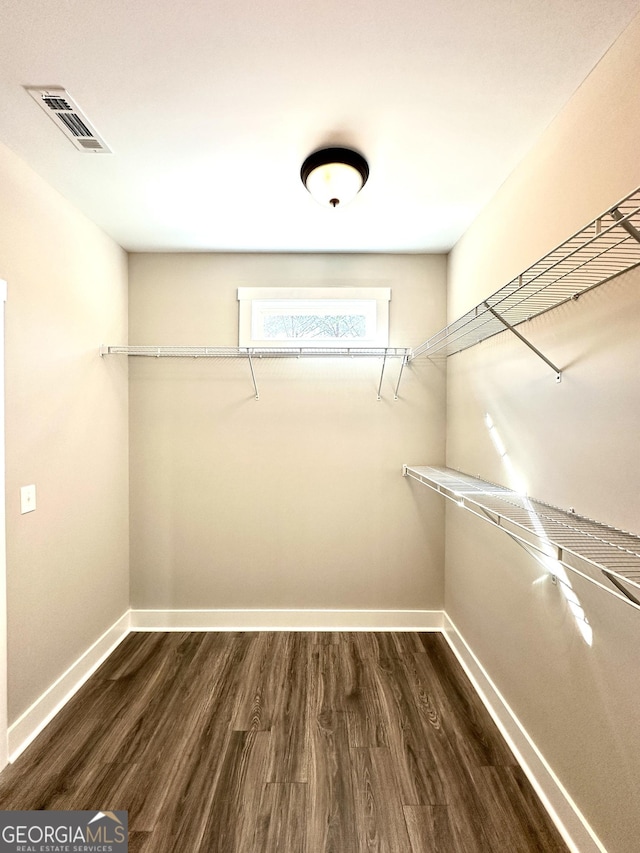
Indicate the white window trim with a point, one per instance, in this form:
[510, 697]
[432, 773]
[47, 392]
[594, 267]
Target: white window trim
[252, 299]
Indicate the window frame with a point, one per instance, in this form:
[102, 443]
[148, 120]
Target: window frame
[253, 300]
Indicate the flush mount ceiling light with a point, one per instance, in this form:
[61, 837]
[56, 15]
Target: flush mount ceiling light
[334, 176]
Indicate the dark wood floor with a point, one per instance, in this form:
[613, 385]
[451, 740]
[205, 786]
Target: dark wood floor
[285, 743]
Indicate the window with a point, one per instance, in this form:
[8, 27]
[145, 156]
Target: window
[314, 316]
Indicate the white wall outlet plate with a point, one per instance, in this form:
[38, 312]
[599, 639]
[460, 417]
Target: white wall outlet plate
[27, 499]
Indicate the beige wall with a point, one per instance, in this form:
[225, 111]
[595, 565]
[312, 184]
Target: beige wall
[66, 431]
[585, 162]
[295, 500]
[575, 444]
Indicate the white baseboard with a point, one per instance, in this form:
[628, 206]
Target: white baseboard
[286, 620]
[575, 830]
[35, 718]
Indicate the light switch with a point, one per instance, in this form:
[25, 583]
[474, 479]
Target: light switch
[27, 499]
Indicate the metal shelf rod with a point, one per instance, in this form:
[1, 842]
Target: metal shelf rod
[625, 224]
[402, 366]
[527, 343]
[253, 376]
[384, 362]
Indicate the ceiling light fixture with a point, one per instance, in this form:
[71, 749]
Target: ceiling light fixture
[334, 176]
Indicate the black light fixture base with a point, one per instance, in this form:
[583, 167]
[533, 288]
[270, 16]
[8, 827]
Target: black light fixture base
[324, 156]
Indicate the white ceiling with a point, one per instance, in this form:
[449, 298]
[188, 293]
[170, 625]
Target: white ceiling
[210, 107]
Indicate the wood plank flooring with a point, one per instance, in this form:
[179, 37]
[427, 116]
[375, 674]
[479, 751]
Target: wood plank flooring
[285, 743]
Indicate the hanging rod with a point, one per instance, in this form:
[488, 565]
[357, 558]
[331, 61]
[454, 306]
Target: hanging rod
[605, 248]
[546, 528]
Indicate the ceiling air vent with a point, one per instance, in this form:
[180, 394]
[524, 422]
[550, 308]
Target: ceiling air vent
[65, 113]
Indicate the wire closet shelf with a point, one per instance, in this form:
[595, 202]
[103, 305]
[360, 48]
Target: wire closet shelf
[251, 353]
[256, 352]
[557, 534]
[607, 247]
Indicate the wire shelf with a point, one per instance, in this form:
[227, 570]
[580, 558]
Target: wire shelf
[256, 352]
[607, 247]
[614, 552]
[253, 353]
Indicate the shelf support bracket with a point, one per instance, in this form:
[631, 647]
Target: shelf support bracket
[624, 223]
[405, 358]
[384, 364]
[511, 328]
[622, 588]
[253, 375]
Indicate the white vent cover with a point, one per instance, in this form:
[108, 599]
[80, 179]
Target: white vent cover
[65, 114]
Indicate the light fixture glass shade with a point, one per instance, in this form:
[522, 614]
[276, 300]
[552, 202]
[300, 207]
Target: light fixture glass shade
[334, 184]
[334, 176]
